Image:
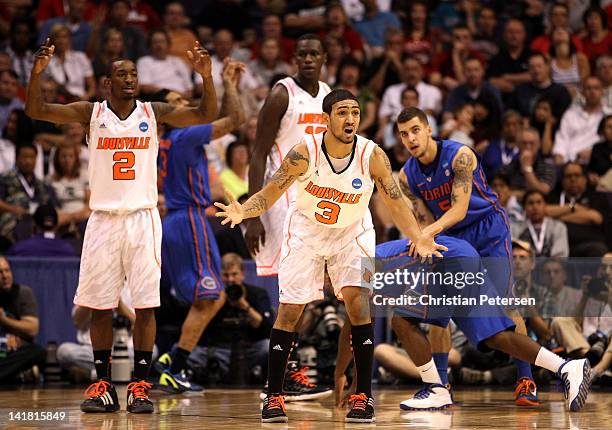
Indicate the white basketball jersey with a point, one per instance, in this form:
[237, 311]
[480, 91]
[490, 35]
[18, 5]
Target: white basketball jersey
[304, 115]
[123, 159]
[335, 199]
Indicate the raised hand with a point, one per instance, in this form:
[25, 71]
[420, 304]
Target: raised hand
[43, 56]
[233, 213]
[200, 60]
[232, 71]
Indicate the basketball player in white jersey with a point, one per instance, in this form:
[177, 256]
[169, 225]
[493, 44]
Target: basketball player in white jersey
[329, 224]
[123, 235]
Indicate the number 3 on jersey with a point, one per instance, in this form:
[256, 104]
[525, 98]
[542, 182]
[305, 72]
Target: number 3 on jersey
[330, 212]
[122, 169]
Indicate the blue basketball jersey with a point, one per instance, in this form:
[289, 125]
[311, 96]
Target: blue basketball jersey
[434, 183]
[183, 167]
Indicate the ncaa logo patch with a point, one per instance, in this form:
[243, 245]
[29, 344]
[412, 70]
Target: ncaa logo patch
[143, 126]
[208, 283]
[357, 183]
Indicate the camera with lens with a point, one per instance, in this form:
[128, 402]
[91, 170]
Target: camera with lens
[329, 320]
[234, 292]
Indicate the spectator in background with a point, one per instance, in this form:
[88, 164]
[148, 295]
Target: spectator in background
[505, 150]
[19, 325]
[246, 316]
[543, 120]
[5, 61]
[603, 68]
[547, 235]
[540, 84]
[601, 156]
[272, 27]
[516, 215]
[448, 66]
[530, 170]
[486, 39]
[8, 96]
[387, 69]
[558, 17]
[374, 26]
[112, 48]
[305, 16]
[47, 133]
[143, 16]
[585, 213]
[21, 191]
[235, 176]
[349, 78]
[44, 243]
[578, 129]
[336, 50]
[80, 29]
[338, 24]
[598, 40]
[430, 97]
[460, 126]
[568, 67]
[181, 38]
[508, 69]
[49, 9]
[14, 134]
[71, 188]
[70, 69]
[22, 58]
[474, 86]
[420, 41]
[133, 39]
[269, 61]
[163, 70]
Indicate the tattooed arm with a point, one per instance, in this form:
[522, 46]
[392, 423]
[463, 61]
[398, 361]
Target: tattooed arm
[464, 165]
[294, 165]
[420, 209]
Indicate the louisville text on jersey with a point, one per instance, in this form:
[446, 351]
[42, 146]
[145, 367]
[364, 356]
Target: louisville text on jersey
[112, 143]
[332, 194]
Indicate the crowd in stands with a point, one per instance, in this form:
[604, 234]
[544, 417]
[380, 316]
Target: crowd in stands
[527, 85]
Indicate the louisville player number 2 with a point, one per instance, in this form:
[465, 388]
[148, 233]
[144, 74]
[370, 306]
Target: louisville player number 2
[123, 167]
[330, 212]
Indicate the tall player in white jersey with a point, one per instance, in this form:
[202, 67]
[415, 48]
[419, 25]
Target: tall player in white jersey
[123, 235]
[329, 224]
[292, 109]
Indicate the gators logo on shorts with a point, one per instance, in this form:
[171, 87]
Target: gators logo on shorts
[208, 283]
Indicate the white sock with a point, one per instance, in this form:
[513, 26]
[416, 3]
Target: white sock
[429, 373]
[548, 360]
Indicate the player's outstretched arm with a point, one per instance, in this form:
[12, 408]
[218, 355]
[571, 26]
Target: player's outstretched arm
[37, 108]
[206, 111]
[420, 209]
[380, 169]
[232, 110]
[464, 165]
[294, 165]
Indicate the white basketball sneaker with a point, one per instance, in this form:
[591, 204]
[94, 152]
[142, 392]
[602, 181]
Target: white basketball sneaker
[430, 397]
[576, 377]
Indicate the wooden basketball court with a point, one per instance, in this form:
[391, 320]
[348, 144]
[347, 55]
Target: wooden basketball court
[239, 409]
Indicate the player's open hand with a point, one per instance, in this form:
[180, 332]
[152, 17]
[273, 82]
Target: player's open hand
[232, 213]
[232, 71]
[200, 60]
[425, 246]
[43, 56]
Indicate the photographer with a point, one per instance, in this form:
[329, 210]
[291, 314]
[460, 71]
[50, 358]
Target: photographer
[244, 321]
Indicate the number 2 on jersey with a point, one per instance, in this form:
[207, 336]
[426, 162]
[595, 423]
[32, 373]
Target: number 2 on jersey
[122, 169]
[330, 212]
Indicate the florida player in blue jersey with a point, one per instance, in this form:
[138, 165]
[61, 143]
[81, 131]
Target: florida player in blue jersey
[449, 192]
[190, 257]
[485, 327]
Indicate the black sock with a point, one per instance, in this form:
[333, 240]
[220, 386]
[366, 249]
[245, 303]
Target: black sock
[281, 342]
[142, 364]
[179, 361]
[362, 341]
[102, 361]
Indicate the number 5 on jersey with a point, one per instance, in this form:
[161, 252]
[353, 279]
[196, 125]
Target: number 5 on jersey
[330, 212]
[123, 167]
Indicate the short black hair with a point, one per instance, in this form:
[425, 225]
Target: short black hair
[10, 72]
[309, 36]
[23, 146]
[504, 177]
[531, 193]
[602, 124]
[410, 89]
[109, 67]
[229, 152]
[599, 11]
[538, 54]
[159, 30]
[336, 96]
[408, 113]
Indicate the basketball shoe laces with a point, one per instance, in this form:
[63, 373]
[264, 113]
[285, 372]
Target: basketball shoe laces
[97, 389]
[424, 393]
[301, 377]
[359, 401]
[525, 387]
[139, 389]
[276, 402]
